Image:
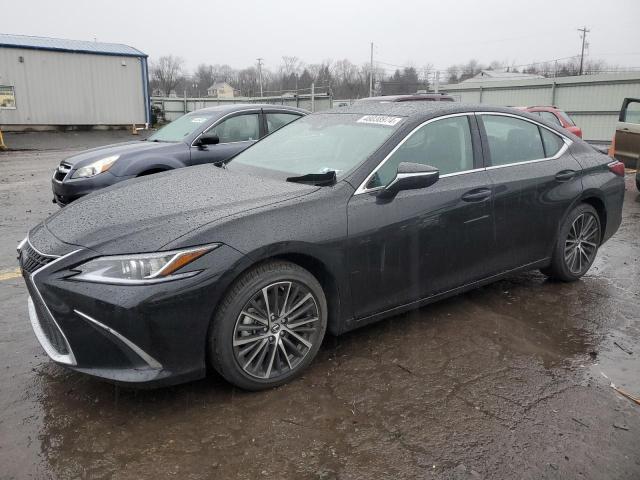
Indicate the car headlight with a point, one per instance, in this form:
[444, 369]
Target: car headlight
[141, 268]
[94, 168]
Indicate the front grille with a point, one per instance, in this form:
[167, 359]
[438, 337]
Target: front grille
[31, 260]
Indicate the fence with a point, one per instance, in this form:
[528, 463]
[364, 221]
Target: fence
[593, 101]
[174, 107]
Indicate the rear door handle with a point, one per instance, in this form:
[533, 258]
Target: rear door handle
[477, 195]
[565, 175]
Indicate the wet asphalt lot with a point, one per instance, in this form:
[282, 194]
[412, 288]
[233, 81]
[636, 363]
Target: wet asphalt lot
[502, 382]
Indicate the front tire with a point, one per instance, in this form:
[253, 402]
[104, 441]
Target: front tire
[269, 326]
[576, 246]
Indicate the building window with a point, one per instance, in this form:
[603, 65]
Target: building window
[7, 97]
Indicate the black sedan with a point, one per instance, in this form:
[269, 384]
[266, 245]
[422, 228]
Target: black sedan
[333, 222]
[209, 135]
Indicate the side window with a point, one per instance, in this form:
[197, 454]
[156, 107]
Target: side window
[550, 117]
[632, 113]
[237, 129]
[279, 120]
[552, 142]
[444, 144]
[512, 140]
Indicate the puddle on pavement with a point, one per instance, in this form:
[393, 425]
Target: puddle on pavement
[490, 352]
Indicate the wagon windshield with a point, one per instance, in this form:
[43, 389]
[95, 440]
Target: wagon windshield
[181, 128]
[321, 143]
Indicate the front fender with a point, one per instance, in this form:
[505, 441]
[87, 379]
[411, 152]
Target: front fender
[143, 164]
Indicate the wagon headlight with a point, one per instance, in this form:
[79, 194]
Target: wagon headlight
[94, 168]
[142, 268]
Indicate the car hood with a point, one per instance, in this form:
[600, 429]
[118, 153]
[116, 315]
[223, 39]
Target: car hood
[122, 149]
[146, 213]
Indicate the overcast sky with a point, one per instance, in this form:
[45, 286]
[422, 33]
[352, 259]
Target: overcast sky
[415, 32]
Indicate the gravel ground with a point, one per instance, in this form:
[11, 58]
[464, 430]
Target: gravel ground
[502, 382]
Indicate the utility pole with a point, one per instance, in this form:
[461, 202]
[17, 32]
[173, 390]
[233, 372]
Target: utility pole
[436, 83]
[371, 73]
[584, 31]
[313, 97]
[260, 73]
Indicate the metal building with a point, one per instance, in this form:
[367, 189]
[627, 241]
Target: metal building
[47, 82]
[593, 101]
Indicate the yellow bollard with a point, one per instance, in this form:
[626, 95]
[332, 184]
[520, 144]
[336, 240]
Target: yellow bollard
[2, 145]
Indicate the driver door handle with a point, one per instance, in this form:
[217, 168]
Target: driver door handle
[477, 195]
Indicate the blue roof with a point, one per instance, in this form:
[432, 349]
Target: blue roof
[60, 44]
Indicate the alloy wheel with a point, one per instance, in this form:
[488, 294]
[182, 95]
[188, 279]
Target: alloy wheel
[276, 329]
[581, 244]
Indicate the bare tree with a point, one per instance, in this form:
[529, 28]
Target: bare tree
[224, 73]
[453, 74]
[168, 72]
[470, 69]
[248, 82]
[290, 65]
[203, 77]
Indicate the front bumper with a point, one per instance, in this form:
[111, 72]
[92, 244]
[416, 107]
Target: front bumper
[142, 335]
[69, 189]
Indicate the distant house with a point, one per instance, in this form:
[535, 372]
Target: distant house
[220, 90]
[499, 75]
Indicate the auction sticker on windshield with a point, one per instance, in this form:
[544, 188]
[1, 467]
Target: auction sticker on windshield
[380, 120]
[198, 120]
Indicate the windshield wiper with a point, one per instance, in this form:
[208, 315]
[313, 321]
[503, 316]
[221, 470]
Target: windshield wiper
[320, 179]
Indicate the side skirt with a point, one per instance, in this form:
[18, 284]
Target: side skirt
[352, 324]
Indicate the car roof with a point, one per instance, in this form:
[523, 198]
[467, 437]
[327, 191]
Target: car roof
[408, 97]
[541, 107]
[235, 107]
[420, 110]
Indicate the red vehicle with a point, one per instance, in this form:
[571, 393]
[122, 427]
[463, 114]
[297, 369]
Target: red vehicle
[556, 116]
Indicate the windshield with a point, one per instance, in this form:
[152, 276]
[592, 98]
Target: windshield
[184, 126]
[321, 143]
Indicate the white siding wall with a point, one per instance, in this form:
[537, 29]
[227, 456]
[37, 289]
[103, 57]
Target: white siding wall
[592, 100]
[175, 107]
[64, 88]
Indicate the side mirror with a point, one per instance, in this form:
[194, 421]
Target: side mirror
[410, 176]
[208, 140]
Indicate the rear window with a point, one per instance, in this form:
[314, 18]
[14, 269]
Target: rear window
[552, 142]
[566, 118]
[512, 140]
[550, 117]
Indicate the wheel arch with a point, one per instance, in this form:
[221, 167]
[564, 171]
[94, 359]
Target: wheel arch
[327, 280]
[598, 204]
[316, 264]
[595, 199]
[155, 164]
[151, 171]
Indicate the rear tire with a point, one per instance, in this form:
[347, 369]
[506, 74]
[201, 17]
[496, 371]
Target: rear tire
[576, 246]
[269, 326]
